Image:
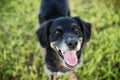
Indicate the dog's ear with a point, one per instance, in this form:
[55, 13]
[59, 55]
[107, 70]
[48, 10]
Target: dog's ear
[86, 28]
[42, 33]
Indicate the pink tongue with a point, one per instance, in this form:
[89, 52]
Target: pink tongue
[70, 57]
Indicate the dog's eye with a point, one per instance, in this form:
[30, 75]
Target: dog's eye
[76, 30]
[58, 31]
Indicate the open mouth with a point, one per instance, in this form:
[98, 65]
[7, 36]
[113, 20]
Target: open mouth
[70, 57]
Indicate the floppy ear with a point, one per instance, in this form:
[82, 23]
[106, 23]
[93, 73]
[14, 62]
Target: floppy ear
[86, 28]
[42, 33]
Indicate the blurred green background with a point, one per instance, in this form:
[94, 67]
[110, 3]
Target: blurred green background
[20, 57]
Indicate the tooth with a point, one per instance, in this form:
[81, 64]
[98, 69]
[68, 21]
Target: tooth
[62, 52]
[56, 48]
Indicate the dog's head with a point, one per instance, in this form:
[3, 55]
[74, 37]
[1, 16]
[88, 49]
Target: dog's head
[66, 36]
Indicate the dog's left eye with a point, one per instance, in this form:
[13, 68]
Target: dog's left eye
[76, 31]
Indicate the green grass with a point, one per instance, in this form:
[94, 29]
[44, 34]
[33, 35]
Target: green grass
[20, 57]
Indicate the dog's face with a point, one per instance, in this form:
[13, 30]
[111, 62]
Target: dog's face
[66, 36]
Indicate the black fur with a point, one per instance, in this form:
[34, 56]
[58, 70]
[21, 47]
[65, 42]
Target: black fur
[42, 33]
[56, 26]
[52, 9]
[86, 27]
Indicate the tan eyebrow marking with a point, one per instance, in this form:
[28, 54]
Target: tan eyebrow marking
[73, 24]
[59, 27]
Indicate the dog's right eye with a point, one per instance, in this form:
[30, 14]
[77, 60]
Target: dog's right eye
[58, 32]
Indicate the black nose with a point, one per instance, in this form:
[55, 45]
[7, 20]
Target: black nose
[72, 43]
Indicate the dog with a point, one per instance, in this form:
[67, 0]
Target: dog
[62, 37]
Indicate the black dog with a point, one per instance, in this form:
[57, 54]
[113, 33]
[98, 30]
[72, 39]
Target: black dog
[62, 37]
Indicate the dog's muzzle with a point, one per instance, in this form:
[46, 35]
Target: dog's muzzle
[68, 49]
[70, 57]
[72, 43]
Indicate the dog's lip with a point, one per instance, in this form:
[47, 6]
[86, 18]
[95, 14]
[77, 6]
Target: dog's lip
[59, 51]
[70, 65]
[62, 53]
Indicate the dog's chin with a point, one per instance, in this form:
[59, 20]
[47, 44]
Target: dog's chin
[69, 57]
